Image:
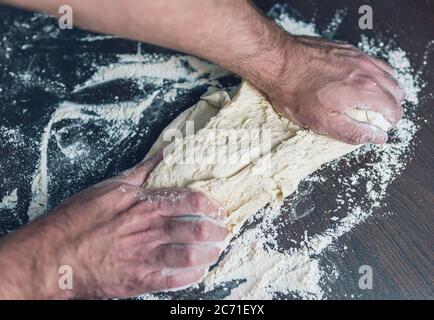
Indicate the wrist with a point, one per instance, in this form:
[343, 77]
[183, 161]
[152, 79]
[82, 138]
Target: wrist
[53, 259]
[29, 265]
[276, 54]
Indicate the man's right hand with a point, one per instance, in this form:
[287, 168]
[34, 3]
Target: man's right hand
[119, 239]
[321, 81]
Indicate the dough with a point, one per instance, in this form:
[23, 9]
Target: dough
[247, 155]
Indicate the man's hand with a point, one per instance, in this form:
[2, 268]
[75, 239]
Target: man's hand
[311, 81]
[119, 239]
[322, 80]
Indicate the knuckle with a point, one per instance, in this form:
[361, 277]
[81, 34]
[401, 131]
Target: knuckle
[200, 231]
[355, 137]
[188, 257]
[123, 192]
[133, 281]
[197, 199]
[142, 207]
[170, 282]
[370, 84]
[365, 82]
[168, 227]
[160, 199]
[364, 61]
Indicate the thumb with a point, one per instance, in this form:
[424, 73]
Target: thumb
[354, 132]
[137, 175]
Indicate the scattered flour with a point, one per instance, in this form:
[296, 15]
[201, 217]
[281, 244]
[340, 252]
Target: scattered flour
[9, 201]
[154, 68]
[186, 72]
[261, 267]
[267, 271]
[12, 136]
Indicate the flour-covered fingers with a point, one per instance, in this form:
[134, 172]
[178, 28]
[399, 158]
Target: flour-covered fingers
[180, 202]
[176, 215]
[355, 132]
[384, 104]
[180, 256]
[383, 78]
[368, 94]
[171, 279]
[192, 229]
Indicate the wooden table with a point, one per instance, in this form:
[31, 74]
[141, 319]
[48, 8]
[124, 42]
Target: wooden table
[398, 247]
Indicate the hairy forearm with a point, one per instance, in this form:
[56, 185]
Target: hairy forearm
[229, 33]
[28, 267]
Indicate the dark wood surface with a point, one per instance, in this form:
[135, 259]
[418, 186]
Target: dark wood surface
[399, 247]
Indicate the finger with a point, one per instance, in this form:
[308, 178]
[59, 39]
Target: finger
[372, 96]
[183, 256]
[383, 66]
[171, 279]
[173, 223]
[109, 196]
[388, 82]
[355, 132]
[192, 229]
[369, 60]
[384, 104]
[179, 202]
[138, 175]
[392, 86]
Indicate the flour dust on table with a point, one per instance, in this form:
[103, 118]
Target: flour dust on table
[263, 260]
[254, 260]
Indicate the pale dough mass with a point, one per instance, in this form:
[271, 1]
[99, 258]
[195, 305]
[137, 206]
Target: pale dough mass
[265, 167]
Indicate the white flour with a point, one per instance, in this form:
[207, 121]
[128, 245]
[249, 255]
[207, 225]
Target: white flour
[257, 261]
[268, 271]
[15, 138]
[9, 201]
[144, 69]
